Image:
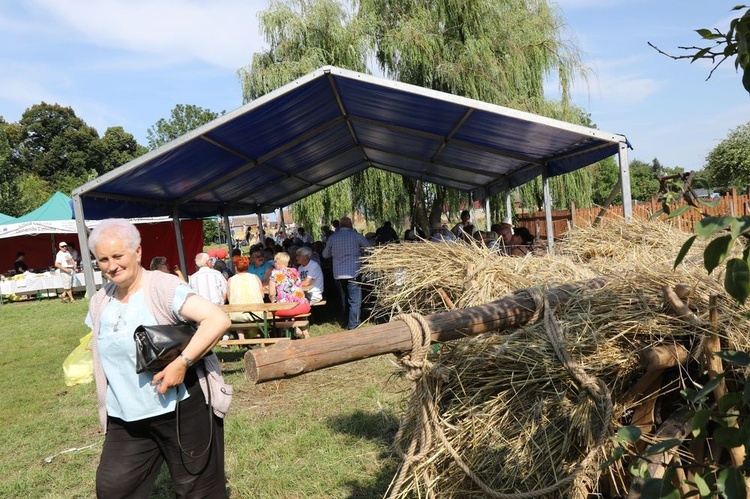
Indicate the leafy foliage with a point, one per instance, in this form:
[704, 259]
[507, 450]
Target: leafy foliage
[184, 118]
[734, 42]
[51, 149]
[728, 164]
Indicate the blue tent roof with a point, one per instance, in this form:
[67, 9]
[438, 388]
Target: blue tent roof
[58, 207]
[329, 125]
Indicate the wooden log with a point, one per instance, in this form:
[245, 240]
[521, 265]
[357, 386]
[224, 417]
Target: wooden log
[682, 310]
[644, 392]
[715, 369]
[288, 359]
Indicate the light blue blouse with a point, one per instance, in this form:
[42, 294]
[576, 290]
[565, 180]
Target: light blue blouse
[131, 396]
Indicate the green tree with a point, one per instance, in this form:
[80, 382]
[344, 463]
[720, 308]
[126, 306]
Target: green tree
[303, 35]
[472, 48]
[57, 145]
[183, 119]
[8, 174]
[728, 164]
[117, 148]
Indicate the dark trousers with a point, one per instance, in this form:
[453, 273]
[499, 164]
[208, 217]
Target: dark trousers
[350, 293]
[134, 452]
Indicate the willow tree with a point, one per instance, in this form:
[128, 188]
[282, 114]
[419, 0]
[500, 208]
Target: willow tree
[498, 51]
[303, 36]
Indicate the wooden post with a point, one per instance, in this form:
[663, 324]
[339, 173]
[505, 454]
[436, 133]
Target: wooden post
[572, 214]
[608, 202]
[289, 358]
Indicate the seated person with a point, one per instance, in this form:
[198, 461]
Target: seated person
[505, 237]
[19, 265]
[521, 242]
[243, 287]
[463, 226]
[310, 275]
[259, 266]
[285, 286]
[437, 233]
[160, 263]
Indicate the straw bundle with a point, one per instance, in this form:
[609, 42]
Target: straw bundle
[511, 410]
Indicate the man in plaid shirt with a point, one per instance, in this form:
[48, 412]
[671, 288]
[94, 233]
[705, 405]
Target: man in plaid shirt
[344, 247]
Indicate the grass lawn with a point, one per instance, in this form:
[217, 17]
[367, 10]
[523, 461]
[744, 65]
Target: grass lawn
[324, 434]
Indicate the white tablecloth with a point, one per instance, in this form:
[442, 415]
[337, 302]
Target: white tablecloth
[48, 282]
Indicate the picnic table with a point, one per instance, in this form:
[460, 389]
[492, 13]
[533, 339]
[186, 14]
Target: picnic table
[259, 312]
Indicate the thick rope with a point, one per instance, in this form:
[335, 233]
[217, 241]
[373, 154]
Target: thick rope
[423, 417]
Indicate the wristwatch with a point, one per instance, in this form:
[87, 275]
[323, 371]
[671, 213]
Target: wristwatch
[187, 360]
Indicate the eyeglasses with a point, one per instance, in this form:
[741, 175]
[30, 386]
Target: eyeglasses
[63, 246]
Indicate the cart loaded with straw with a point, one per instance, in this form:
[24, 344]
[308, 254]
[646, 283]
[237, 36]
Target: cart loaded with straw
[545, 361]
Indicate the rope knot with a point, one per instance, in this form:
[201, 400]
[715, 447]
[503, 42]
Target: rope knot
[415, 363]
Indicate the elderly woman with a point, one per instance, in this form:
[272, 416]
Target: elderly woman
[160, 263]
[150, 419]
[285, 286]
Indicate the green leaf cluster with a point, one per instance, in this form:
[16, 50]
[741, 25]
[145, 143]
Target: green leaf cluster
[730, 229]
[734, 42]
[184, 118]
[51, 149]
[722, 423]
[728, 164]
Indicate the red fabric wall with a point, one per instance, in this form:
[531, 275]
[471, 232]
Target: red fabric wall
[156, 239]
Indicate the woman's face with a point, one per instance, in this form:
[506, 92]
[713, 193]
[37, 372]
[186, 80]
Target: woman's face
[257, 259]
[117, 262]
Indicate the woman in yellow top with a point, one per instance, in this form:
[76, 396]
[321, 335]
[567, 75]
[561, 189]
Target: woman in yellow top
[243, 287]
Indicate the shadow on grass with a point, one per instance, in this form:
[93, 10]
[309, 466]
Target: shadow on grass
[380, 428]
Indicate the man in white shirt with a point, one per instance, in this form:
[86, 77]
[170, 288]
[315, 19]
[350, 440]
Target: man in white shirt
[311, 275]
[207, 282]
[67, 266]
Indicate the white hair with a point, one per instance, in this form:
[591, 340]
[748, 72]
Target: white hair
[201, 259]
[123, 229]
[304, 251]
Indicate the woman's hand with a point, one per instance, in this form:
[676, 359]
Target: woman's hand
[170, 376]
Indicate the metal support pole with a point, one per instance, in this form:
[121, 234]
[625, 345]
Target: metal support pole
[178, 239]
[548, 211]
[230, 239]
[508, 206]
[83, 245]
[487, 215]
[261, 232]
[627, 200]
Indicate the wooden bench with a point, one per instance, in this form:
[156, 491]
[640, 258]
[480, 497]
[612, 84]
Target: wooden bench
[261, 323]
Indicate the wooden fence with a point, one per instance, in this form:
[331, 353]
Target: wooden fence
[562, 220]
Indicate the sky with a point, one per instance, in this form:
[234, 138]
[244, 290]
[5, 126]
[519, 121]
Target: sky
[130, 62]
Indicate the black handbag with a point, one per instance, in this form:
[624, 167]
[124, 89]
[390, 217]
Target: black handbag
[157, 346]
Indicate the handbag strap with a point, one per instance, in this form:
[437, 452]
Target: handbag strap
[210, 427]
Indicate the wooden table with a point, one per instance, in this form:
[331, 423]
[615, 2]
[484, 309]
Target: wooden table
[259, 313]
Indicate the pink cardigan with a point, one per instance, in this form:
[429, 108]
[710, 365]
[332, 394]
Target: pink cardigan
[158, 288]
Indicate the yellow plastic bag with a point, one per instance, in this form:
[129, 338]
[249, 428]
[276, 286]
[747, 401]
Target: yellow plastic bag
[79, 365]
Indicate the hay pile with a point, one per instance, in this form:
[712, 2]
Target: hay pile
[507, 408]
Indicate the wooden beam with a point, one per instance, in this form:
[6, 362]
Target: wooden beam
[292, 358]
